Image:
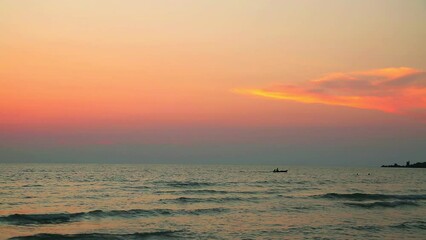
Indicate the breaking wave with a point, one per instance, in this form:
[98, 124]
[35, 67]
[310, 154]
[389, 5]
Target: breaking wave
[56, 218]
[93, 236]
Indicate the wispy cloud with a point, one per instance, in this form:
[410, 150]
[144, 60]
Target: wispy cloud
[394, 90]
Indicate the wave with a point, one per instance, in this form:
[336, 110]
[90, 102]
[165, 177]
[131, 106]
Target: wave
[204, 200]
[411, 225]
[384, 204]
[210, 191]
[404, 225]
[107, 236]
[137, 187]
[367, 196]
[207, 211]
[53, 218]
[185, 184]
[32, 185]
[194, 191]
[57, 218]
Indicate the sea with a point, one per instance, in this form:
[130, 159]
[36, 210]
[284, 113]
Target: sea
[160, 201]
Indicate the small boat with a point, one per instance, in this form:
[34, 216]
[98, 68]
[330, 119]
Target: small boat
[276, 170]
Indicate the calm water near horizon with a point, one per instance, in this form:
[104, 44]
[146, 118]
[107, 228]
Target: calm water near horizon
[125, 201]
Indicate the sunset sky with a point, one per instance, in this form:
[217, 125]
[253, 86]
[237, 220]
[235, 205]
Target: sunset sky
[260, 82]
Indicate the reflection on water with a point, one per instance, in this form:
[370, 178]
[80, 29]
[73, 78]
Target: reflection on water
[112, 201]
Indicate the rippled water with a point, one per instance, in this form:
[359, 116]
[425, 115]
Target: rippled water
[114, 201]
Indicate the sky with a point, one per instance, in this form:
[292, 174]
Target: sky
[226, 82]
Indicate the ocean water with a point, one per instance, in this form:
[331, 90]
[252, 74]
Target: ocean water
[117, 201]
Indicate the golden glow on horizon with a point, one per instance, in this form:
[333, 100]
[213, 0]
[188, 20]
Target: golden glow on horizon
[169, 62]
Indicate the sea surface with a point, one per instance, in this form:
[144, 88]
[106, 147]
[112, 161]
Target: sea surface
[117, 201]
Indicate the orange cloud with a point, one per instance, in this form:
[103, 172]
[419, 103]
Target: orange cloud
[393, 90]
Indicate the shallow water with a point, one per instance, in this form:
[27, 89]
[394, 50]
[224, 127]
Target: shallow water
[117, 201]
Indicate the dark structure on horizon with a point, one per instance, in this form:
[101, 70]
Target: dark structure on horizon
[407, 165]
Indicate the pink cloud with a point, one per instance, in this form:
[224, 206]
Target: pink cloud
[393, 90]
